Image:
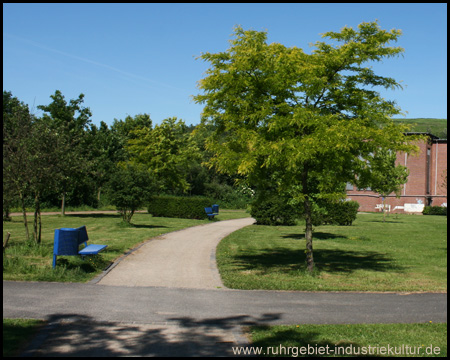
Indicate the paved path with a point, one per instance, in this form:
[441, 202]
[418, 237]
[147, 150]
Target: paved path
[141, 307]
[182, 259]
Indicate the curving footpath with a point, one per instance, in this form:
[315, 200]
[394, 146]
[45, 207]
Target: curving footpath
[181, 259]
[165, 298]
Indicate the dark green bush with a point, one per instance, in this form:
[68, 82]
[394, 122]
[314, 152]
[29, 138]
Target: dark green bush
[273, 210]
[227, 196]
[336, 213]
[179, 207]
[128, 188]
[435, 210]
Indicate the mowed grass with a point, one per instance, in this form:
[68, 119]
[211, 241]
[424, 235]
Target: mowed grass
[406, 253]
[17, 333]
[25, 261]
[405, 340]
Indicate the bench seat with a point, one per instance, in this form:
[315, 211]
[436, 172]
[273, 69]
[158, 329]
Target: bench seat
[91, 249]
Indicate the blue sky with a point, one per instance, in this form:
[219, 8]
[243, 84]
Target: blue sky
[131, 59]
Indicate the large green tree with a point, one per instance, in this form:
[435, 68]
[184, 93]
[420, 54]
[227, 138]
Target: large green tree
[32, 155]
[106, 151]
[70, 122]
[167, 151]
[297, 122]
[17, 125]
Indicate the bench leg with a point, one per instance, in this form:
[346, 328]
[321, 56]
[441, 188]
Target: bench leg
[54, 261]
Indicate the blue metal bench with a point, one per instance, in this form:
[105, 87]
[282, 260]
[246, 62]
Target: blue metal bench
[212, 211]
[67, 241]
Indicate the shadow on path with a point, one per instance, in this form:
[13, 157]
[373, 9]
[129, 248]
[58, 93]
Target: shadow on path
[80, 335]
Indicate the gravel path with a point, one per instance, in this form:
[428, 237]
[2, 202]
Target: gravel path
[181, 259]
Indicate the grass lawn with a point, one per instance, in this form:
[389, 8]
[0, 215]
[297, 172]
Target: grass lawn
[28, 262]
[17, 333]
[406, 253]
[352, 340]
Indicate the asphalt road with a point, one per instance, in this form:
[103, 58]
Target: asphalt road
[159, 305]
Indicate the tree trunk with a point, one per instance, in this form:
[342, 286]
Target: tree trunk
[309, 235]
[308, 218]
[24, 212]
[63, 204]
[128, 216]
[5, 243]
[6, 212]
[37, 220]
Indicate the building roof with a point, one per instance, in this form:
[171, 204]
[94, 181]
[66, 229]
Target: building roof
[433, 138]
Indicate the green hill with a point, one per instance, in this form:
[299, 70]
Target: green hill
[436, 127]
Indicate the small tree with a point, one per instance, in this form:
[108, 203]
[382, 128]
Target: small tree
[129, 188]
[384, 176]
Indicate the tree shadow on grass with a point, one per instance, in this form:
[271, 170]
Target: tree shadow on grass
[72, 263]
[387, 221]
[331, 261]
[97, 216]
[144, 226]
[130, 225]
[317, 235]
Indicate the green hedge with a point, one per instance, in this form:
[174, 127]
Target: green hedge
[435, 210]
[179, 206]
[273, 210]
[336, 213]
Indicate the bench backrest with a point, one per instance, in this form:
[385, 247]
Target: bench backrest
[65, 242]
[208, 210]
[82, 234]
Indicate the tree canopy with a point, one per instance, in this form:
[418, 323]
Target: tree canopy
[301, 123]
[167, 151]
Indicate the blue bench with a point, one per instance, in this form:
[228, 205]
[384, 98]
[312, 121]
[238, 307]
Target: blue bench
[212, 211]
[67, 241]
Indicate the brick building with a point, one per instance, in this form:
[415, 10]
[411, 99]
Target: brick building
[426, 183]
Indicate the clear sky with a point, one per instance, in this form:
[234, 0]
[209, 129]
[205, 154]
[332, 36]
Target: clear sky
[131, 59]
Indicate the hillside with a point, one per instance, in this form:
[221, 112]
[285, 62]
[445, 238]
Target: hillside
[436, 127]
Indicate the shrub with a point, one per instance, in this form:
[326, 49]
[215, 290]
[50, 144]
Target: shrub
[273, 210]
[336, 213]
[128, 188]
[228, 197]
[435, 210]
[179, 206]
